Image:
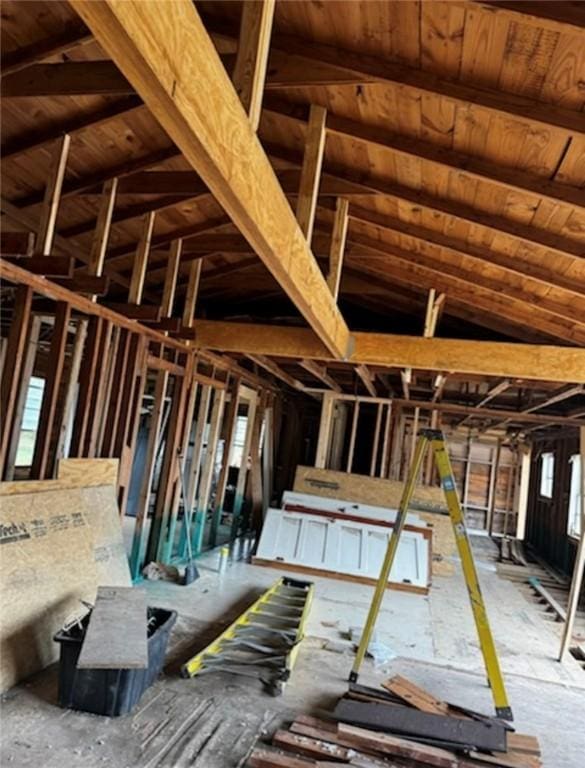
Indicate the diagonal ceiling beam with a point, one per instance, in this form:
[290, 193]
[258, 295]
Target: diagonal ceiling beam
[171, 61]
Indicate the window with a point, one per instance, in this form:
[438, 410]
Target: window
[30, 422]
[547, 473]
[238, 443]
[575, 495]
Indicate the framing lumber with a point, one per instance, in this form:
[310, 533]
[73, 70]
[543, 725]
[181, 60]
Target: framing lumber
[276, 370]
[470, 253]
[320, 372]
[541, 362]
[71, 78]
[337, 247]
[311, 170]
[56, 174]
[103, 225]
[72, 36]
[514, 179]
[20, 244]
[200, 110]
[51, 290]
[298, 62]
[141, 260]
[367, 379]
[50, 266]
[191, 294]
[249, 72]
[40, 464]
[12, 367]
[579, 567]
[172, 273]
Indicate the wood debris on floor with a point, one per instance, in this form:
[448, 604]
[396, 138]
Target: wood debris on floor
[398, 725]
[541, 584]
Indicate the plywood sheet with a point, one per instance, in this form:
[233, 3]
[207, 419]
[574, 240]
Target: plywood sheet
[72, 473]
[116, 634]
[89, 471]
[56, 547]
[364, 489]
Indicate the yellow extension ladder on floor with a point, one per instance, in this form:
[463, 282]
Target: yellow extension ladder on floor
[486, 640]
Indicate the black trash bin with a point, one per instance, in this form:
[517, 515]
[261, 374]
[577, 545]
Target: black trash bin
[110, 692]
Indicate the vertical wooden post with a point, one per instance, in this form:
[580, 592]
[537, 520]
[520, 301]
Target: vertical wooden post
[579, 567]
[207, 471]
[101, 235]
[195, 466]
[133, 404]
[337, 247]
[376, 444]
[91, 359]
[493, 480]
[252, 57]
[139, 539]
[386, 443]
[40, 463]
[243, 471]
[14, 357]
[230, 423]
[325, 430]
[353, 433]
[255, 474]
[311, 170]
[192, 291]
[141, 260]
[117, 394]
[171, 276]
[27, 371]
[50, 207]
[74, 368]
[268, 456]
[523, 488]
[102, 389]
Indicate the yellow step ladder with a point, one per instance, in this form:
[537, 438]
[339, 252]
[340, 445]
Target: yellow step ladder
[436, 440]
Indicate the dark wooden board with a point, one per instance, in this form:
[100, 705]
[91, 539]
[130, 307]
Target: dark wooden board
[407, 721]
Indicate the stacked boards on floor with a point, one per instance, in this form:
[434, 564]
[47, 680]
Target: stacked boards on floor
[60, 539]
[332, 537]
[402, 725]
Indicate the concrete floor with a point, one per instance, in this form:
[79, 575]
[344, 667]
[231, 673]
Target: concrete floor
[213, 721]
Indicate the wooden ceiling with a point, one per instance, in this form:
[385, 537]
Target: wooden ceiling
[456, 130]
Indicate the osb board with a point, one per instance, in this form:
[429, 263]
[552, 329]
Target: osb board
[89, 471]
[56, 547]
[72, 473]
[364, 489]
[444, 546]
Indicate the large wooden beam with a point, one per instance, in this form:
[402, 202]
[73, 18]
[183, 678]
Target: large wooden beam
[527, 361]
[171, 61]
[252, 58]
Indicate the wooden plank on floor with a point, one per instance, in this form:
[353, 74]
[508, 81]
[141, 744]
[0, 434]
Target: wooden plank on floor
[116, 634]
[409, 722]
[415, 696]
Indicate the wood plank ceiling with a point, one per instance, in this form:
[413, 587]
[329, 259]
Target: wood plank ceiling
[456, 131]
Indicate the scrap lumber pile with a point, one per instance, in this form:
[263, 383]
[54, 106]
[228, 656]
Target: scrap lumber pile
[402, 725]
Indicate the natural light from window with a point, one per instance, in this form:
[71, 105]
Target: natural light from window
[547, 473]
[576, 490]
